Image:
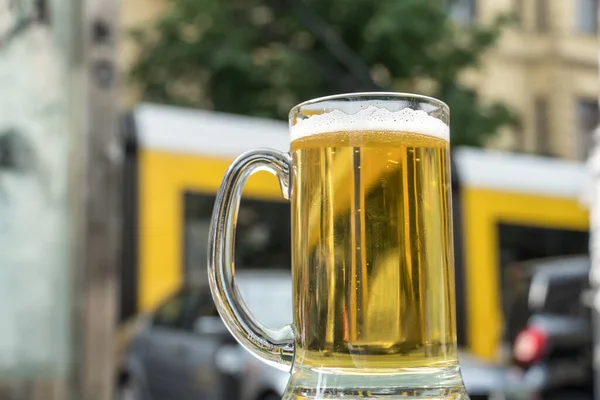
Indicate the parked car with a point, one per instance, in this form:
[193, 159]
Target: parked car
[549, 329]
[183, 350]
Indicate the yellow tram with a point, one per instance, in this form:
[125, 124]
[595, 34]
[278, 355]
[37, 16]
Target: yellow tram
[507, 208]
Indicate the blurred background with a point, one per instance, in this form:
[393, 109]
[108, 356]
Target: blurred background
[119, 118]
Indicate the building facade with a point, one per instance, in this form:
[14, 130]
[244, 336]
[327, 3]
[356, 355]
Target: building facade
[545, 69]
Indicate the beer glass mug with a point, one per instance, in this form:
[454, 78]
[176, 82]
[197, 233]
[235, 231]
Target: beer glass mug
[368, 178]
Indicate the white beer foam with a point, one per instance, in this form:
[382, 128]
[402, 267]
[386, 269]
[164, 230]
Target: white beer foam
[372, 119]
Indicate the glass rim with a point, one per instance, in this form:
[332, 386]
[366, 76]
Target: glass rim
[364, 96]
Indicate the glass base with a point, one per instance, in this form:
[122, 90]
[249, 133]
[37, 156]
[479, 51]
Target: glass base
[409, 383]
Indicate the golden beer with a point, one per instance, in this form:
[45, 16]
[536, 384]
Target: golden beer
[373, 273]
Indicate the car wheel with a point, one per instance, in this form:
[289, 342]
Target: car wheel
[271, 396]
[129, 389]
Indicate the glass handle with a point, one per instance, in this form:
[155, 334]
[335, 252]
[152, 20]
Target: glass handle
[274, 346]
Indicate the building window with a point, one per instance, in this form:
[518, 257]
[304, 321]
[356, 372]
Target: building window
[542, 140]
[587, 121]
[464, 11]
[541, 15]
[519, 10]
[587, 16]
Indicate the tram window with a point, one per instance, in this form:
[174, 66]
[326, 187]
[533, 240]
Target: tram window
[522, 243]
[519, 243]
[262, 241]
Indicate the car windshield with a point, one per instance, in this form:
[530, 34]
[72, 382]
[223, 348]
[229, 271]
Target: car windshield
[270, 300]
[563, 296]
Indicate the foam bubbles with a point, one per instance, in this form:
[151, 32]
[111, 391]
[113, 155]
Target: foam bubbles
[372, 119]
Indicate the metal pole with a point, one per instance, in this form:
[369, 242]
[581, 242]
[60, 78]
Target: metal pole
[593, 194]
[98, 175]
[593, 190]
[593, 198]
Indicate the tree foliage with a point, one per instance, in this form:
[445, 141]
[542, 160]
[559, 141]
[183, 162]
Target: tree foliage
[261, 57]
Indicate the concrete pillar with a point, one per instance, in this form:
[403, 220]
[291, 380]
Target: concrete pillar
[97, 198]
